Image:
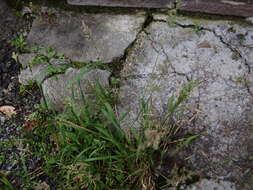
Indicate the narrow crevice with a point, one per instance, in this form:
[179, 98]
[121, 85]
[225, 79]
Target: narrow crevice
[166, 55]
[117, 64]
[148, 21]
[233, 49]
[248, 89]
[240, 56]
[52, 75]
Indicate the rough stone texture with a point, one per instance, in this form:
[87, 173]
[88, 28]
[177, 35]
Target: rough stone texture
[206, 184]
[59, 88]
[37, 73]
[169, 55]
[210, 184]
[26, 58]
[86, 37]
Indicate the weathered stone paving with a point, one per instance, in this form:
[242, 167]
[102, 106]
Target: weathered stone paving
[160, 57]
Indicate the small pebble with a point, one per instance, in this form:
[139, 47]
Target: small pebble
[250, 20]
[2, 119]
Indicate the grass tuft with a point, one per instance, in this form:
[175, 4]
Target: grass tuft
[87, 148]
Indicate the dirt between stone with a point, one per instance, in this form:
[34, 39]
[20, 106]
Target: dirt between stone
[11, 128]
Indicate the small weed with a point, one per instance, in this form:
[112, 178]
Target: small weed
[115, 81]
[241, 38]
[28, 89]
[20, 43]
[14, 56]
[51, 53]
[38, 60]
[78, 65]
[44, 55]
[236, 56]
[197, 28]
[52, 69]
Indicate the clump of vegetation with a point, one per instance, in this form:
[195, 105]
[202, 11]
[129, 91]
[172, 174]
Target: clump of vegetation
[28, 89]
[87, 148]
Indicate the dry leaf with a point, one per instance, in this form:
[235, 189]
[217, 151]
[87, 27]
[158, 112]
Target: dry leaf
[204, 44]
[8, 110]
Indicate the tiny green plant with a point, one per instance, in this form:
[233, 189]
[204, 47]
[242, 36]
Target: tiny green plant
[197, 28]
[20, 43]
[43, 55]
[29, 88]
[38, 60]
[115, 81]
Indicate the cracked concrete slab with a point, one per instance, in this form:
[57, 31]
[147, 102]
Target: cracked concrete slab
[168, 55]
[85, 37]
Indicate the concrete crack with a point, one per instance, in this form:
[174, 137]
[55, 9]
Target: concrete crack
[159, 48]
[233, 49]
[248, 89]
[228, 45]
[201, 28]
[118, 63]
[166, 55]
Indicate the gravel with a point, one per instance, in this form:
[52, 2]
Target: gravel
[11, 128]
